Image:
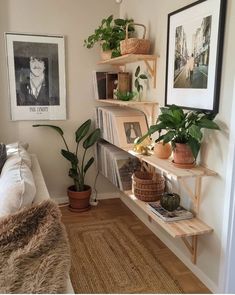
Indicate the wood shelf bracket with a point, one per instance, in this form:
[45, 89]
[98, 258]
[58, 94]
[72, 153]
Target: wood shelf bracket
[192, 247]
[152, 68]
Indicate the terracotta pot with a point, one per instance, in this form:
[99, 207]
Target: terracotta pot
[105, 55]
[182, 154]
[79, 201]
[162, 151]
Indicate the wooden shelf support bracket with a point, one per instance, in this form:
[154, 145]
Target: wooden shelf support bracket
[191, 247]
[152, 69]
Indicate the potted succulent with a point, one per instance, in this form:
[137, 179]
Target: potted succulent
[79, 193]
[183, 130]
[109, 34]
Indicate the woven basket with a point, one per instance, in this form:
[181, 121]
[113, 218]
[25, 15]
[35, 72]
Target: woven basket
[148, 187]
[135, 45]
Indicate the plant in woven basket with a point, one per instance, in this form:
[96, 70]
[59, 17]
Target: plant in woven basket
[109, 34]
[138, 77]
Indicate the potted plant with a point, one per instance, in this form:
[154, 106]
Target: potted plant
[109, 34]
[183, 130]
[79, 193]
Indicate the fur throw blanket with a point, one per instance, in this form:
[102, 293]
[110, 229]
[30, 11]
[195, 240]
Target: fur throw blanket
[34, 251]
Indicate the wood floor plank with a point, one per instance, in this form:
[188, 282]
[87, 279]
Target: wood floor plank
[107, 209]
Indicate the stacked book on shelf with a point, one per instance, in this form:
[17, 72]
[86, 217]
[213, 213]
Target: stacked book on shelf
[116, 164]
[179, 214]
[121, 126]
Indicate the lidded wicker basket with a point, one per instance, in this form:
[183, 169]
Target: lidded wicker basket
[135, 45]
[148, 187]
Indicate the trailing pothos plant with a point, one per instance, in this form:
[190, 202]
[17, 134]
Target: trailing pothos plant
[78, 168]
[109, 34]
[182, 127]
[138, 77]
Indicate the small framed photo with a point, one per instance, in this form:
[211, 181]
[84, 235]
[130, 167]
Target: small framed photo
[129, 128]
[194, 55]
[36, 71]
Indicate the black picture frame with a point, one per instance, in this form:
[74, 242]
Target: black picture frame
[195, 36]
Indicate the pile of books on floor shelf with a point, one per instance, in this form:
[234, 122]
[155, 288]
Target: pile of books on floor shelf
[179, 214]
[121, 126]
[116, 165]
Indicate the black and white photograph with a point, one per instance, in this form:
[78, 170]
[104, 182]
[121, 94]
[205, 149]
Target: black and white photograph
[194, 55]
[36, 76]
[132, 130]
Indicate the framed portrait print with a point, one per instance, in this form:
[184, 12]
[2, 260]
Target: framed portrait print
[129, 128]
[194, 55]
[36, 72]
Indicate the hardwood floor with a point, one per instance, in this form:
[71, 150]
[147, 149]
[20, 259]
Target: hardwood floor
[107, 209]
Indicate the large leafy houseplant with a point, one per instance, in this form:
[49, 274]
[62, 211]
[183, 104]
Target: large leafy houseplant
[78, 168]
[182, 127]
[109, 34]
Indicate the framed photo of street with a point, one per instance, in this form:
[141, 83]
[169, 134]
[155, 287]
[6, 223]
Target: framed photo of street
[194, 55]
[36, 75]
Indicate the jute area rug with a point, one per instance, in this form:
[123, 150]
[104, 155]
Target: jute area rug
[108, 258]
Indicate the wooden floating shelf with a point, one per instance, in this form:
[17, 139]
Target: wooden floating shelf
[177, 229]
[127, 103]
[167, 167]
[128, 58]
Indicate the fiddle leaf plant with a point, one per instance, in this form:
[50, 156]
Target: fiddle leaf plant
[182, 127]
[78, 168]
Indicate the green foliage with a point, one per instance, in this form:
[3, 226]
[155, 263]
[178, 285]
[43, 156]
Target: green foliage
[78, 169]
[125, 96]
[110, 33]
[182, 127]
[138, 77]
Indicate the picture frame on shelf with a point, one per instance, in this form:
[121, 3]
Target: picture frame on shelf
[194, 55]
[36, 75]
[129, 128]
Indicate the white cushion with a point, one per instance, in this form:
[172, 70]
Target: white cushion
[17, 187]
[19, 149]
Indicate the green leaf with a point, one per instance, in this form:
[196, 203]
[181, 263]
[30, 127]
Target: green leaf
[206, 123]
[168, 136]
[92, 138]
[195, 132]
[70, 157]
[88, 164]
[137, 71]
[142, 76]
[194, 145]
[56, 128]
[82, 130]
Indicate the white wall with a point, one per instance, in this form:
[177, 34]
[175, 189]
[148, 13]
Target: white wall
[76, 20]
[153, 13]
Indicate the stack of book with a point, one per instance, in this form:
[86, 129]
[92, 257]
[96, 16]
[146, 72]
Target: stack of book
[117, 165]
[121, 126]
[179, 214]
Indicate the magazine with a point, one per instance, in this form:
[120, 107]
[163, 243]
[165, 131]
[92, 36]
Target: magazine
[179, 214]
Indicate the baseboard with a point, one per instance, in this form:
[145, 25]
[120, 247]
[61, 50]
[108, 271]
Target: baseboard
[101, 196]
[186, 260]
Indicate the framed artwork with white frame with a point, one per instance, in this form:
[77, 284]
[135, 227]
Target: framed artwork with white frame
[36, 74]
[129, 128]
[194, 55]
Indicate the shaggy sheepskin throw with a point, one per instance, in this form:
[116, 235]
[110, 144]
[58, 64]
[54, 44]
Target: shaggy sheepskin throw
[34, 251]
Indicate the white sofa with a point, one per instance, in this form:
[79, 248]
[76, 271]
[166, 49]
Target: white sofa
[41, 195]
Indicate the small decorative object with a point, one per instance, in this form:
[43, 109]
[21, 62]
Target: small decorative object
[162, 150]
[138, 77]
[194, 55]
[143, 148]
[125, 96]
[148, 187]
[182, 129]
[36, 69]
[79, 193]
[135, 45]
[170, 201]
[109, 34]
